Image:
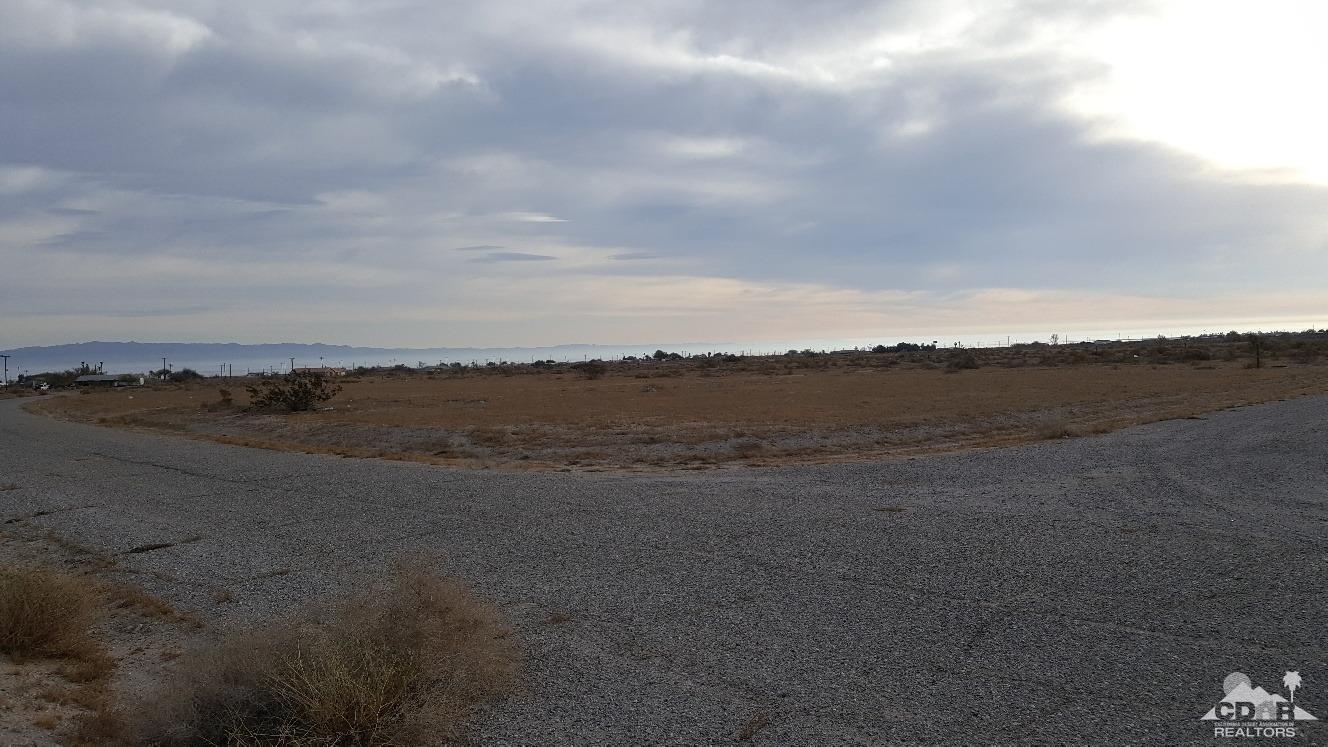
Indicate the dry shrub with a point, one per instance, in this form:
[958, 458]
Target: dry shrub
[127, 597]
[1055, 428]
[296, 392]
[401, 665]
[963, 360]
[47, 613]
[591, 369]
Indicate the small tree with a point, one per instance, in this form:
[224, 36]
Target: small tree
[296, 392]
[185, 374]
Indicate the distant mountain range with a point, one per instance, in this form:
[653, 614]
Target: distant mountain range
[209, 357]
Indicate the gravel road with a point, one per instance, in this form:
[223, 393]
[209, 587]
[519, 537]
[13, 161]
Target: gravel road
[1093, 590]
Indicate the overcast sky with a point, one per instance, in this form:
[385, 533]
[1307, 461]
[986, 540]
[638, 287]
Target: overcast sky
[391, 173]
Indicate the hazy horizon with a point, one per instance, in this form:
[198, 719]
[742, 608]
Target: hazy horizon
[343, 355]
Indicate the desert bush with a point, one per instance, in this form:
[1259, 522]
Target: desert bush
[185, 375]
[962, 360]
[591, 369]
[296, 392]
[46, 613]
[400, 665]
[1055, 428]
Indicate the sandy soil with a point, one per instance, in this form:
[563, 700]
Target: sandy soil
[672, 416]
[56, 701]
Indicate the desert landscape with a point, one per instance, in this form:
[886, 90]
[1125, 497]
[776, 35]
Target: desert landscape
[864, 601]
[576, 373]
[725, 411]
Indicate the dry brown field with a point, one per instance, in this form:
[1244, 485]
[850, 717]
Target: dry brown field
[705, 414]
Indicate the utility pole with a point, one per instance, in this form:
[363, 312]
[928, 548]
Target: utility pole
[6, 358]
[163, 367]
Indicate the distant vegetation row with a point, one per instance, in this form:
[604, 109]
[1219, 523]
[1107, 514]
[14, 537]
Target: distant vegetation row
[1269, 348]
[1275, 348]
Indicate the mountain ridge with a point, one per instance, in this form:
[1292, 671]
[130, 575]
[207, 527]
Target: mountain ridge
[133, 356]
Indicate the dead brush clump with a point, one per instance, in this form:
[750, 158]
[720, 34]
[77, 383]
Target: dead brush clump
[47, 613]
[962, 360]
[401, 665]
[1053, 428]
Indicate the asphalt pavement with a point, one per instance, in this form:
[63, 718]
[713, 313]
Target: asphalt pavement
[1079, 591]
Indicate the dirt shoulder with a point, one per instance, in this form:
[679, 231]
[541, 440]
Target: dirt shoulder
[74, 700]
[695, 416]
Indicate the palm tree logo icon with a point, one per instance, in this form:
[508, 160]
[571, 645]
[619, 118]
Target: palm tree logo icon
[1243, 701]
[1291, 680]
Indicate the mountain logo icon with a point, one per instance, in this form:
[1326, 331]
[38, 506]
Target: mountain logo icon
[1245, 702]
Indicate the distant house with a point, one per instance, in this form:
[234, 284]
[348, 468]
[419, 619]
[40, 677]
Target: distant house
[321, 371]
[97, 380]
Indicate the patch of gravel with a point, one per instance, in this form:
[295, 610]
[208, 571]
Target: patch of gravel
[1092, 590]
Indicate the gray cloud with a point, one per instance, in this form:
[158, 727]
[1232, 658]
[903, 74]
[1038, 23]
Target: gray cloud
[513, 257]
[286, 155]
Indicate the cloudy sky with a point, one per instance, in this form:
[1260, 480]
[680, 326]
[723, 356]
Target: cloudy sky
[386, 172]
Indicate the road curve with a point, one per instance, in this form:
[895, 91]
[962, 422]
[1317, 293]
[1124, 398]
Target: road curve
[1093, 590]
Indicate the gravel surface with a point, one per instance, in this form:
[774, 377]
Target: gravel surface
[1092, 590]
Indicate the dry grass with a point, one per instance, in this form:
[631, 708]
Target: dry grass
[766, 411]
[402, 665]
[128, 597]
[48, 613]
[1055, 428]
